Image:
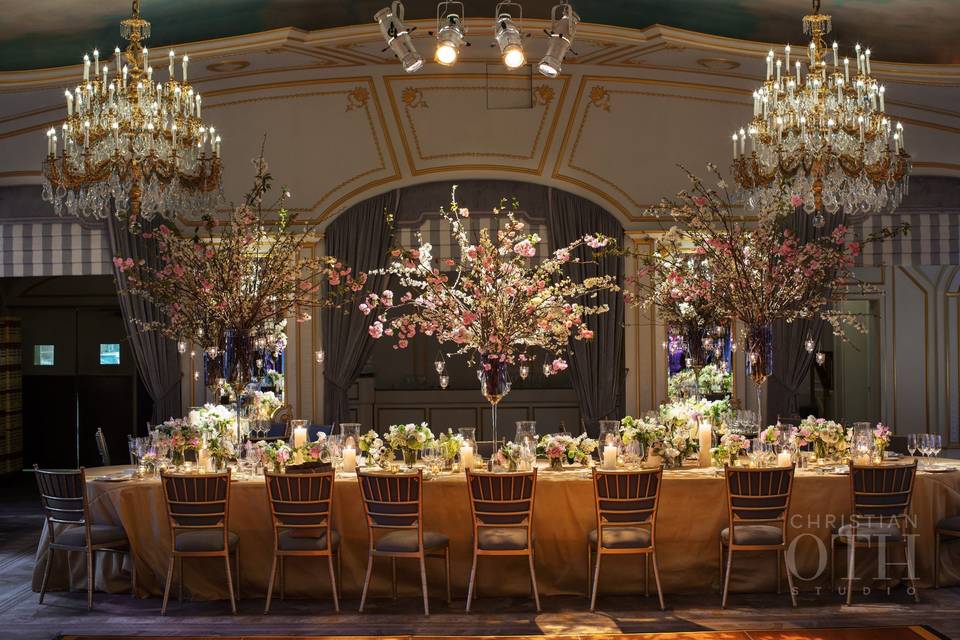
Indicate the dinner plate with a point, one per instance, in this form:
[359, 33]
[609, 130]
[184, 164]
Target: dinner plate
[939, 468]
[114, 478]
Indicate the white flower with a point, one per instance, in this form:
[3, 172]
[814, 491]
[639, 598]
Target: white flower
[425, 257]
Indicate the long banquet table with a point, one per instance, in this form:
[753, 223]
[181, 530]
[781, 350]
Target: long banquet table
[692, 513]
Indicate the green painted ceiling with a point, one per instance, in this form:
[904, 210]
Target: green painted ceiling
[48, 33]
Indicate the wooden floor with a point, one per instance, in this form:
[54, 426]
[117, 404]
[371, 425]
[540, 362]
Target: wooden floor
[768, 616]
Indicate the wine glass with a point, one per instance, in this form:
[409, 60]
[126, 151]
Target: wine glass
[936, 444]
[923, 445]
[912, 444]
[430, 455]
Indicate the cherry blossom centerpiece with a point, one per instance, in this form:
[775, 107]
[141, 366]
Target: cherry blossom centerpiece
[493, 302]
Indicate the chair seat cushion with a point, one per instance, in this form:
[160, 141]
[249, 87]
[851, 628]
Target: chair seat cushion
[753, 534]
[406, 541]
[100, 534]
[502, 538]
[867, 531]
[622, 537]
[211, 540]
[950, 524]
[290, 542]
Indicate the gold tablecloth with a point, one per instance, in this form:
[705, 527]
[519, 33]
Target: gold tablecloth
[692, 513]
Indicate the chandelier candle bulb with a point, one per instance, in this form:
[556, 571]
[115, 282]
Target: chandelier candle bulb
[786, 53]
[146, 57]
[798, 73]
[769, 64]
[846, 70]
[86, 68]
[734, 146]
[882, 91]
[184, 62]
[836, 54]
[813, 53]
[779, 66]
[116, 54]
[96, 62]
[170, 67]
[69, 97]
[866, 58]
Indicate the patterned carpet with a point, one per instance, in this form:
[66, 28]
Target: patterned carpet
[876, 633]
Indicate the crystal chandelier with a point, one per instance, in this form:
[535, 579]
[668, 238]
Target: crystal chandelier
[131, 140]
[822, 138]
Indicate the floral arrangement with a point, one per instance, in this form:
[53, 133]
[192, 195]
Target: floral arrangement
[449, 444]
[274, 379]
[213, 419]
[264, 404]
[647, 432]
[492, 301]
[679, 443]
[509, 456]
[562, 447]
[730, 447]
[408, 437]
[221, 449]
[881, 438]
[233, 283]
[274, 454]
[374, 448]
[714, 379]
[758, 273]
[829, 438]
[180, 436]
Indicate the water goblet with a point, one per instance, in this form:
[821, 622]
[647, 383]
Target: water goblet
[912, 444]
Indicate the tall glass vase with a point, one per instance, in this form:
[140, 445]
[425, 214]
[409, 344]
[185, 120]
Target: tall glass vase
[494, 385]
[759, 353]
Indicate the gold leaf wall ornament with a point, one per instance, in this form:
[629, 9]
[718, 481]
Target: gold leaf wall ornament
[600, 98]
[543, 95]
[357, 98]
[413, 98]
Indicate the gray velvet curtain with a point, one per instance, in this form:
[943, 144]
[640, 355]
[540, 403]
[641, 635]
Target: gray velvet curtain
[360, 238]
[597, 367]
[156, 355]
[791, 361]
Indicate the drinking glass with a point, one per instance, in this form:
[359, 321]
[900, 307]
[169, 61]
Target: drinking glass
[912, 444]
[923, 445]
[430, 455]
[936, 444]
[528, 454]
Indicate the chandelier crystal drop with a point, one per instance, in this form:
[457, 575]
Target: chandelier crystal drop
[820, 133]
[131, 142]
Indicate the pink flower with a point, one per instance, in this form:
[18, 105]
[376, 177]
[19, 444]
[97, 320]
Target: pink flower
[525, 248]
[595, 242]
[375, 330]
[796, 200]
[364, 308]
[558, 365]
[562, 255]
[699, 201]
[464, 212]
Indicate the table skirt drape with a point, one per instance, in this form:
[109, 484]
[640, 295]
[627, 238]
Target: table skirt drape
[692, 513]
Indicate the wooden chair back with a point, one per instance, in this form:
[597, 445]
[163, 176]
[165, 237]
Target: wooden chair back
[627, 498]
[301, 502]
[882, 492]
[502, 499]
[392, 500]
[758, 496]
[63, 496]
[197, 502]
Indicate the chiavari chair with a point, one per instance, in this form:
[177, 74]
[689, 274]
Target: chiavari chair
[302, 507]
[502, 509]
[758, 506]
[393, 506]
[881, 497]
[626, 505]
[198, 513]
[948, 530]
[63, 496]
[102, 447]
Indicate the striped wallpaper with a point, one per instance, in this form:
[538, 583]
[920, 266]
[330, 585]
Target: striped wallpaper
[53, 249]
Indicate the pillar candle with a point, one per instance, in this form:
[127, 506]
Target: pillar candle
[610, 457]
[349, 459]
[784, 459]
[300, 436]
[705, 436]
[466, 457]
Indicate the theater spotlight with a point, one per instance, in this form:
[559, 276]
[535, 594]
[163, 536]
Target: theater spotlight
[397, 36]
[564, 24]
[508, 35]
[450, 32]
